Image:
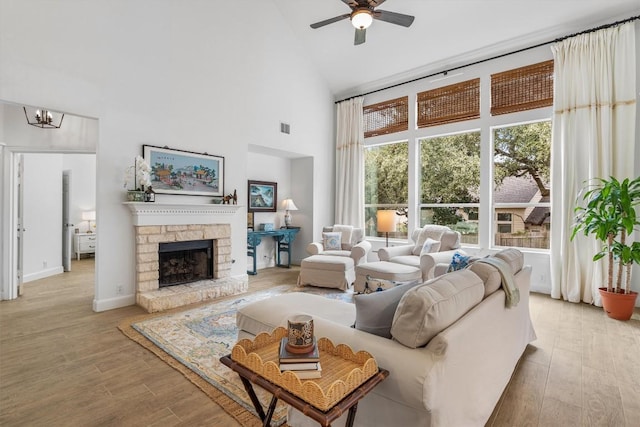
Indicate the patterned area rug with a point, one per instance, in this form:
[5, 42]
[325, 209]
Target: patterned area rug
[193, 340]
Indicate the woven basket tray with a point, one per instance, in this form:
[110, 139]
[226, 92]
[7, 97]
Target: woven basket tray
[342, 369]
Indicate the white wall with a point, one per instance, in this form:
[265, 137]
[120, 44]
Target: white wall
[162, 72]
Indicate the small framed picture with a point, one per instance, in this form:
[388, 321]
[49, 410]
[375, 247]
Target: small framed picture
[263, 196]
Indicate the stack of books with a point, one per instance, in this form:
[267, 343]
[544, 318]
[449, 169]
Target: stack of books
[305, 366]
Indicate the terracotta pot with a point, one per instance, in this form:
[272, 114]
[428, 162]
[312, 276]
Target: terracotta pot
[618, 306]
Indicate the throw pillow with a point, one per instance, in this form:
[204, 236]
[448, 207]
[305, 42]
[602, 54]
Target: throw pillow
[374, 311]
[430, 246]
[331, 241]
[458, 262]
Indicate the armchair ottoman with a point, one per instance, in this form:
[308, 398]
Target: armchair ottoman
[387, 271]
[327, 271]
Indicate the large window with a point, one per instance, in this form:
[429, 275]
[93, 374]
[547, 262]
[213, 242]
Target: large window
[522, 188]
[450, 183]
[475, 155]
[386, 186]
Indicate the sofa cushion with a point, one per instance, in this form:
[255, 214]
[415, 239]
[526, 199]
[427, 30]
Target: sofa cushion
[513, 257]
[431, 231]
[374, 311]
[328, 262]
[426, 310]
[345, 238]
[430, 246]
[449, 240]
[489, 275]
[264, 316]
[410, 260]
[331, 241]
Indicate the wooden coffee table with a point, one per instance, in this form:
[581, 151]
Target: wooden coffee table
[325, 418]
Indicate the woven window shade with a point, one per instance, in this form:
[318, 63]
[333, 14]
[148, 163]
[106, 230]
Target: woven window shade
[386, 117]
[522, 88]
[453, 103]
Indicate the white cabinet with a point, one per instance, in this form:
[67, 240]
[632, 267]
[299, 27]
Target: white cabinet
[85, 243]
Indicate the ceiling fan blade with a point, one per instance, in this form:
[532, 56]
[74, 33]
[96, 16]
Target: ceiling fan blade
[360, 36]
[330, 21]
[351, 3]
[393, 17]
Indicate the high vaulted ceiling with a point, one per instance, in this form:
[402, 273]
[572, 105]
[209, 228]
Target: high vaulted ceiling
[445, 33]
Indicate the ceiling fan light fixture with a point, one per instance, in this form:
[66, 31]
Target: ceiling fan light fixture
[361, 18]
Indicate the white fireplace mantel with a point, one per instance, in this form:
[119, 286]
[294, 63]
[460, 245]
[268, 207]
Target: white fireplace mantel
[179, 214]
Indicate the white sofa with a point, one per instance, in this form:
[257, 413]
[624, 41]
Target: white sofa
[456, 379]
[413, 254]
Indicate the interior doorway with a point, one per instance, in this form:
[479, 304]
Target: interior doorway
[32, 226]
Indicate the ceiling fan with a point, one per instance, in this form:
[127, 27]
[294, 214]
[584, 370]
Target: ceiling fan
[362, 15]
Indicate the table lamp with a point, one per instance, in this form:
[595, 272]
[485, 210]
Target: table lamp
[386, 220]
[288, 206]
[89, 216]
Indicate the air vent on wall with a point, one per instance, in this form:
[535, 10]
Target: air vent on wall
[285, 128]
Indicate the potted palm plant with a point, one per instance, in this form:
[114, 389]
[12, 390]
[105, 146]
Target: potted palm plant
[609, 215]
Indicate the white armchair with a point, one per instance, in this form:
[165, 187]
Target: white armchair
[352, 244]
[446, 244]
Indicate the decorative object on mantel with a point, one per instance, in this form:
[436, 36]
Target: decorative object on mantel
[185, 172]
[288, 206]
[139, 175]
[43, 120]
[149, 194]
[226, 200]
[263, 196]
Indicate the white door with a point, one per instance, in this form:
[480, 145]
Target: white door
[19, 221]
[66, 223]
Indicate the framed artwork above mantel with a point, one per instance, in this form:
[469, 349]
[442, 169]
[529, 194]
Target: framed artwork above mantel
[263, 196]
[183, 172]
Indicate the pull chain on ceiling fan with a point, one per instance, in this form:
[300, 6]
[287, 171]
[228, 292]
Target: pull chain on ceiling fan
[362, 15]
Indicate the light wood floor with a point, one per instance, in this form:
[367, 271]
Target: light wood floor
[61, 364]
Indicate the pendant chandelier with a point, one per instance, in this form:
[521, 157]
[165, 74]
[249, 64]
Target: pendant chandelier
[43, 119]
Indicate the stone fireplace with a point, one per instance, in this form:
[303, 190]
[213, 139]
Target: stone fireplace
[177, 227]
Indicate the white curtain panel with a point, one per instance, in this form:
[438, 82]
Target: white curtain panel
[350, 163]
[593, 136]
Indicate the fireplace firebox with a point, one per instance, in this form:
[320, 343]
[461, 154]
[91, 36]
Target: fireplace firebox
[185, 262]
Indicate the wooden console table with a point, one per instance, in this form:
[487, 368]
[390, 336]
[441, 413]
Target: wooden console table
[283, 238]
[325, 418]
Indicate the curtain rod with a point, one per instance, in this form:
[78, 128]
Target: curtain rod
[591, 30]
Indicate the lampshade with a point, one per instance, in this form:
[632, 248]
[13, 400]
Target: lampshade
[289, 205]
[386, 221]
[361, 19]
[89, 215]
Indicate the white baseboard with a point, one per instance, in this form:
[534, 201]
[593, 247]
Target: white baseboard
[42, 274]
[111, 303]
